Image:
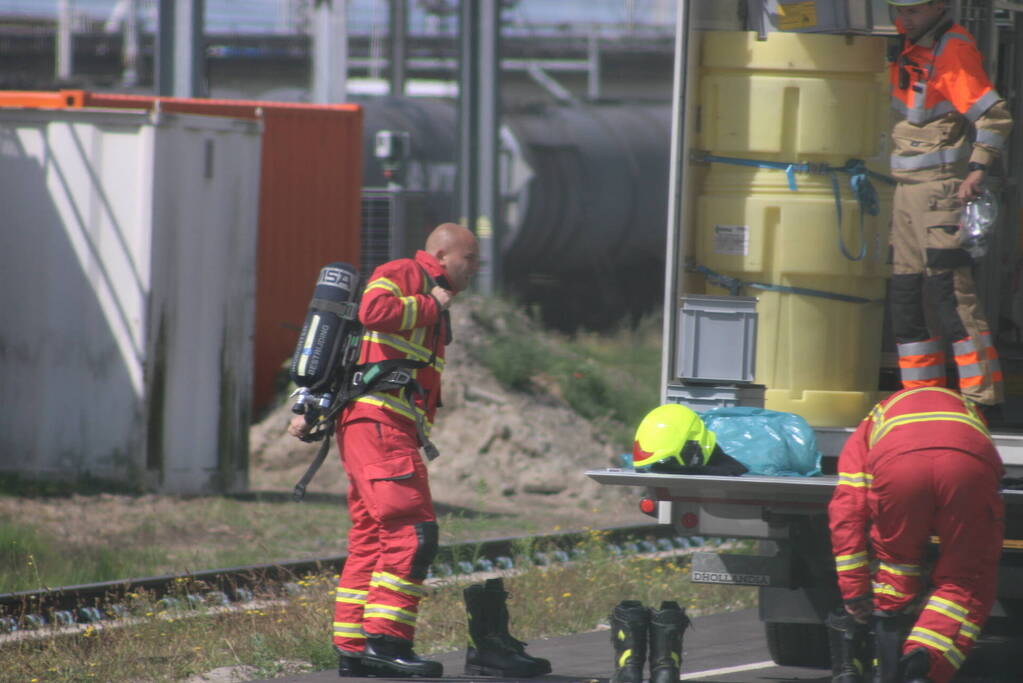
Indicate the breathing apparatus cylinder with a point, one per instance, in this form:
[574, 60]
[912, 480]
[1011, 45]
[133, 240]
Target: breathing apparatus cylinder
[325, 339]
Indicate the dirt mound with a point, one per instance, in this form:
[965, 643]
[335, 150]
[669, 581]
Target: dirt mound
[499, 449]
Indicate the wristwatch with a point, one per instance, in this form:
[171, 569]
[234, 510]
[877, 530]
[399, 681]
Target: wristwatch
[975, 166]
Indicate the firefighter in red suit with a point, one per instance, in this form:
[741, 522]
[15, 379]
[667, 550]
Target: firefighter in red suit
[921, 463]
[393, 537]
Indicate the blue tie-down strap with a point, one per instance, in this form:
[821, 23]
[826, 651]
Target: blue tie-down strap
[734, 286]
[768, 442]
[859, 181]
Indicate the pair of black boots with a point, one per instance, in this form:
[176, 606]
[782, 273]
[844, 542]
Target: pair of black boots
[635, 629]
[492, 651]
[855, 659]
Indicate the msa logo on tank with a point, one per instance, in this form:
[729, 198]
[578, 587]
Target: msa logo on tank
[336, 277]
[329, 322]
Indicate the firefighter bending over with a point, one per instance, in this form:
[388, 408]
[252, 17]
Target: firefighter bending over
[921, 463]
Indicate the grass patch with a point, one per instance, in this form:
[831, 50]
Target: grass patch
[87, 539]
[31, 560]
[611, 378]
[288, 635]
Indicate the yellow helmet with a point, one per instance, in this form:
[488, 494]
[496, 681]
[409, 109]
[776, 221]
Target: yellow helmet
[663, 435]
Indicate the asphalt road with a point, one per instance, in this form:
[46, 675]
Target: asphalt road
[721, 648]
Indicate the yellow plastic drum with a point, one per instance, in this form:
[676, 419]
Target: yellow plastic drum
[798, 98]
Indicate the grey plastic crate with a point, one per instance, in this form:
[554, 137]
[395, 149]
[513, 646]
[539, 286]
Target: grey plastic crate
[702, 397]
[717, 339]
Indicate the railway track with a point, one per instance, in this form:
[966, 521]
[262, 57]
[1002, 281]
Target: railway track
[108, 601]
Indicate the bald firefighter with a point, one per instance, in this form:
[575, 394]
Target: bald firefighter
[940, 92]
[393, 537]
[921, 463]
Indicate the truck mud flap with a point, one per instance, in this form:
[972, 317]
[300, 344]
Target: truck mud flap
[741, 570]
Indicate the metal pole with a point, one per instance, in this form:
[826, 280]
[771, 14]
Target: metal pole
[330, 52]
[164, 67]
[593, 55]
[65, 47]
[468, 105]
[488, 224]
[675, 259]
[130, 55]
[189, 50]
[398, 35]
[181, 53]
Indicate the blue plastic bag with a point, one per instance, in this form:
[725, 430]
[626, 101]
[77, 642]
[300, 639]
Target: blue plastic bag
[768, 442]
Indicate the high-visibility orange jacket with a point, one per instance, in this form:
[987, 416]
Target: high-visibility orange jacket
[402, 321]
[938, 87]
[908, 421]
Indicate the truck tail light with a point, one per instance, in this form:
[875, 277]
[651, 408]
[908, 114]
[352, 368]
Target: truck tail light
[648, 506]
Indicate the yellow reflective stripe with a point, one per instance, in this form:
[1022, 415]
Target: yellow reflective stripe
[348, 629]
[917, 391]
[844, 563]
[398, 406]
[398, 584]
[419, 336]
[402, 616]
[878, 413]
[969, 630]
[953, 609]
[353, 594]
[624, 658]
[384, 284]
[411, 351]
[881, 430]
[901, 569]
[939, 642]
[414, 351]
[409, 313]
[956, 612]
[855, 479]
[885, 589]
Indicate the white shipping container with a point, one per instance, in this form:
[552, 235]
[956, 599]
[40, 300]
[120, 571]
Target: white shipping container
[127, 283]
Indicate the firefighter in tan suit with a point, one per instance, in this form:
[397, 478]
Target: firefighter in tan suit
[940, 92]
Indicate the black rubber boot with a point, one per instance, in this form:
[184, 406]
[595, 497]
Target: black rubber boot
[543, 666]
[630, 623]
[667, 626]
[349, 664]
[390, 656]
[350, 667]
[488, 654]
[914, 666]
[890, 631]
[847, 643]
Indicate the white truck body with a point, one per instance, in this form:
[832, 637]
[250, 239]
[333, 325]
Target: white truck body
[788, 515]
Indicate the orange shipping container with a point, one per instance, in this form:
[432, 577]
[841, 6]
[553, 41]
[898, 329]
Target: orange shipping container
[309, 203]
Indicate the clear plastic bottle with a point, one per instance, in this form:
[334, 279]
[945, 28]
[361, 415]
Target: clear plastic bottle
[976, 224]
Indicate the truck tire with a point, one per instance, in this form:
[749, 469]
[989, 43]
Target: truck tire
[793, 644]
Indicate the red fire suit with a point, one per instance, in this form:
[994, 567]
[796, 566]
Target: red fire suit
[939, 91]
[921, 463]
[393, 537]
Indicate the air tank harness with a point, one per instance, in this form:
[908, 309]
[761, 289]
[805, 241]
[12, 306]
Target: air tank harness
[859, 181]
